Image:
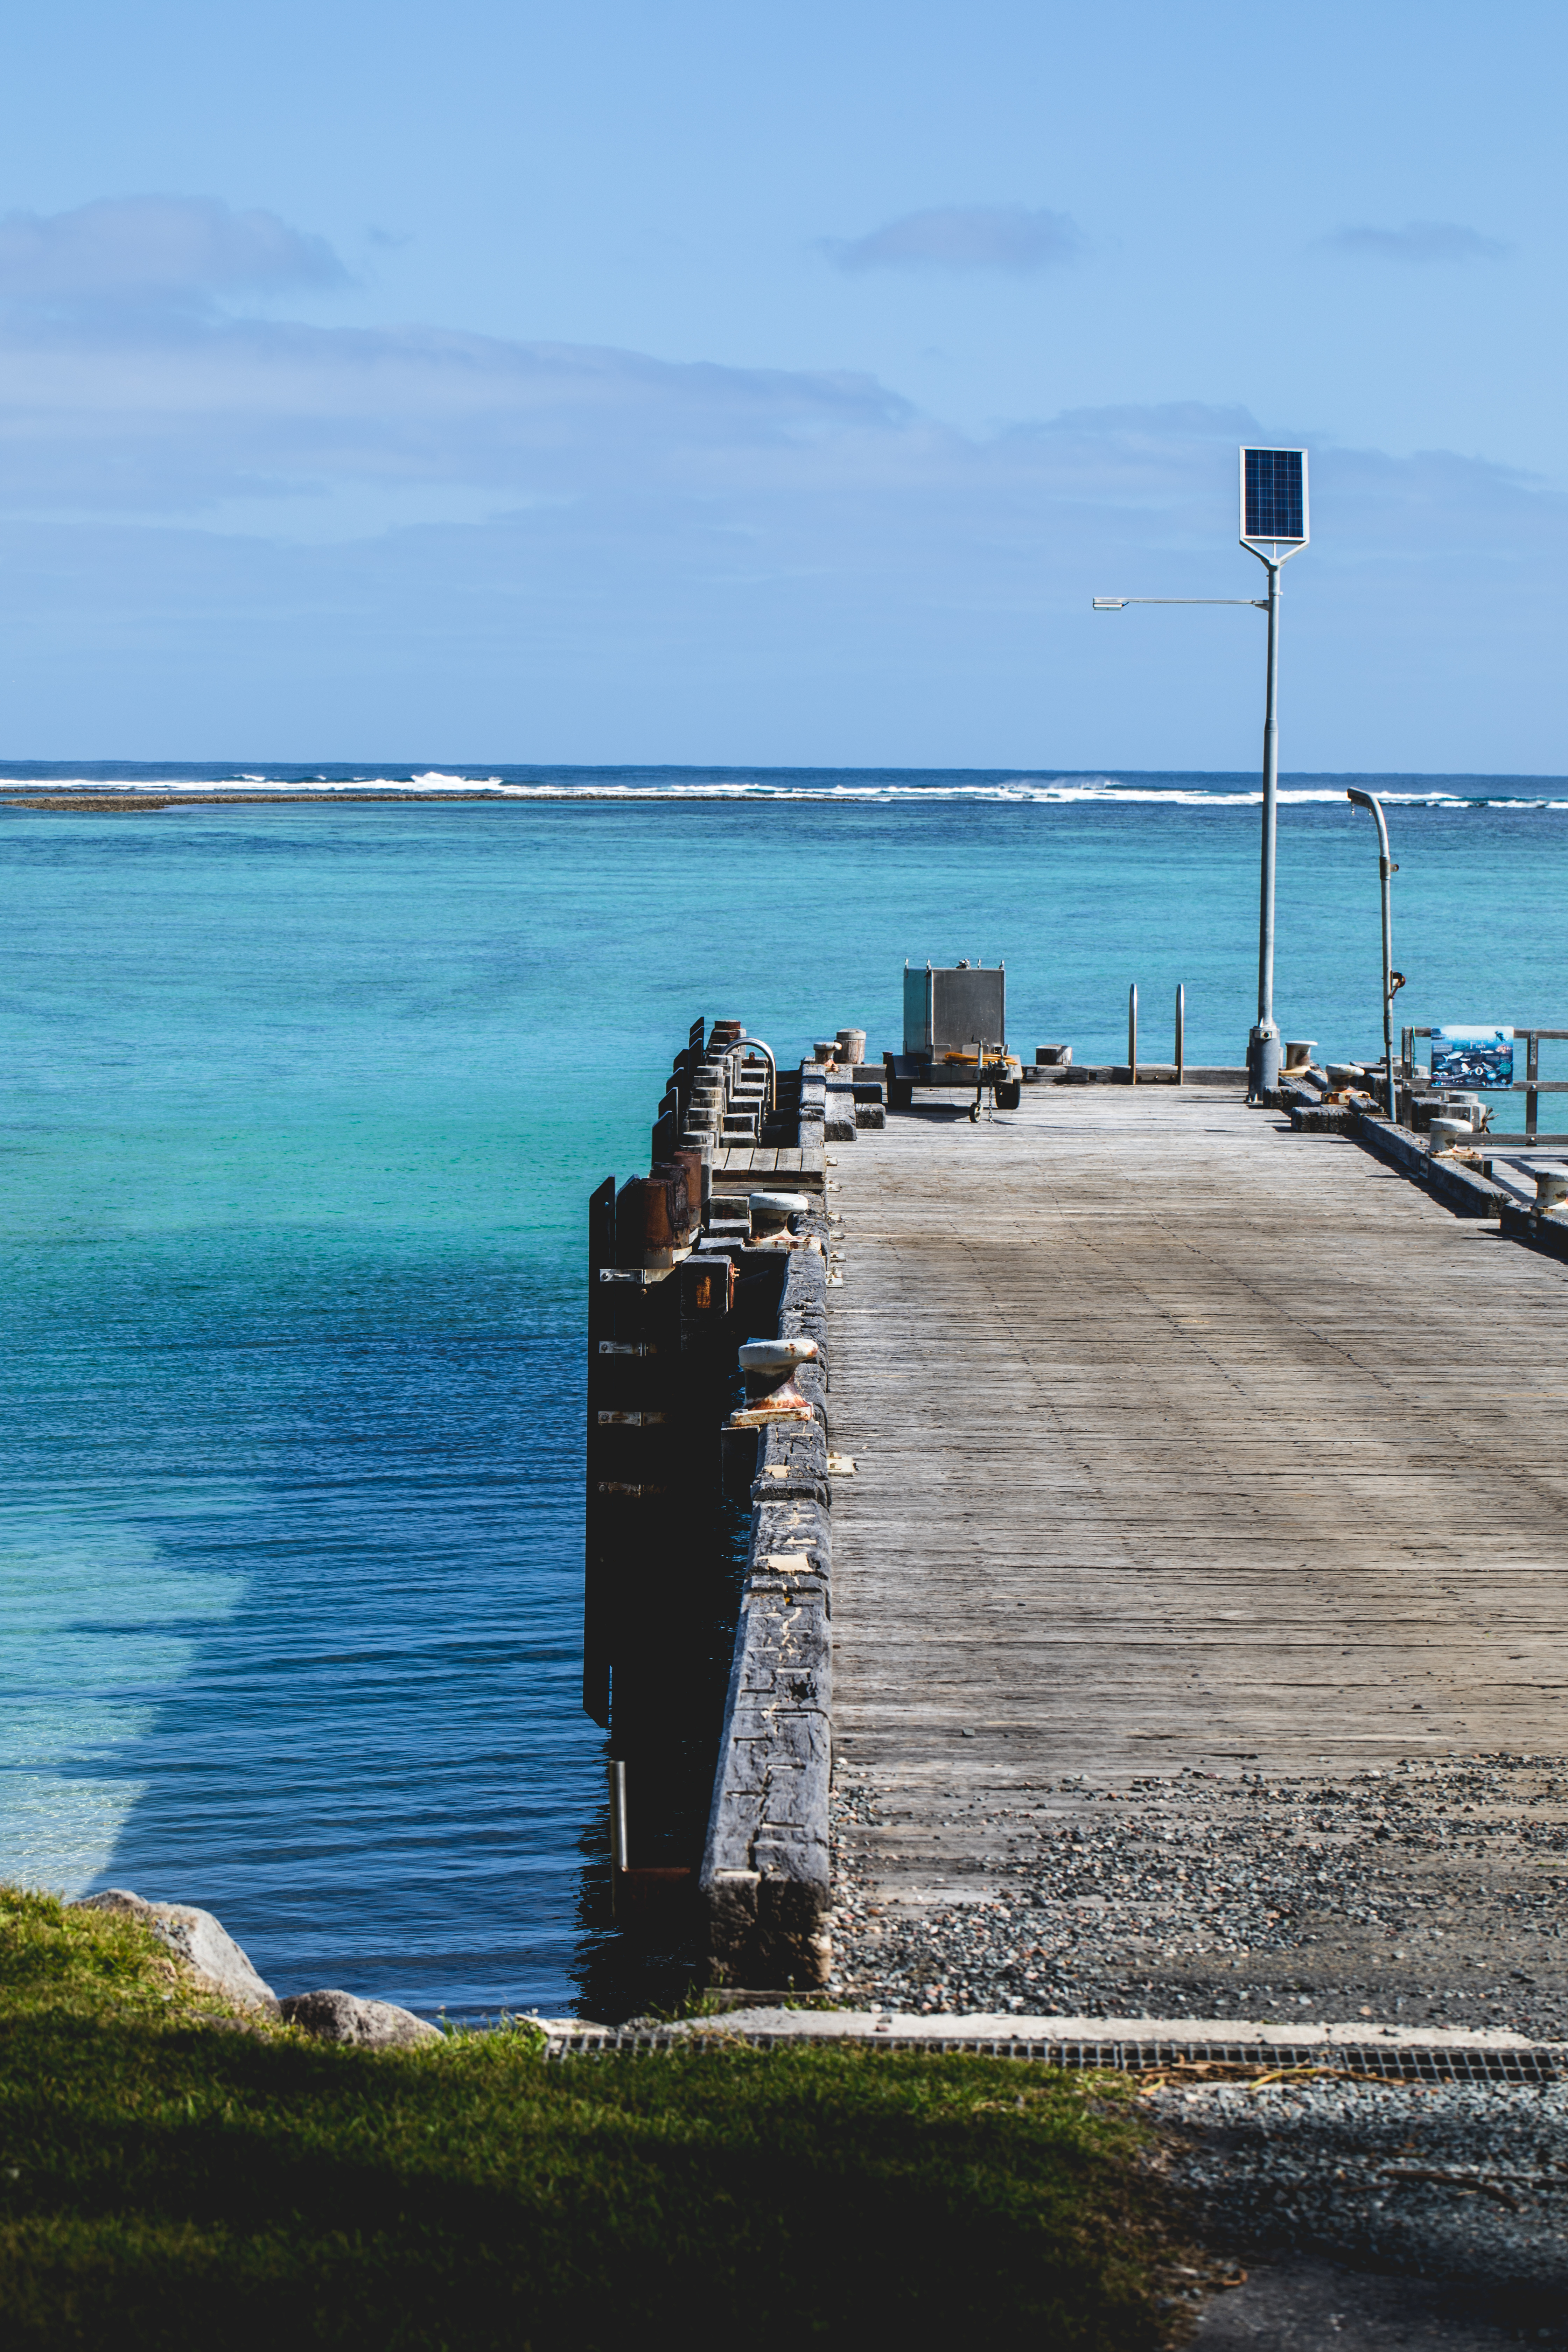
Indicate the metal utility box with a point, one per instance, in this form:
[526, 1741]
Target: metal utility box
[951, 1008]
[955, 1034]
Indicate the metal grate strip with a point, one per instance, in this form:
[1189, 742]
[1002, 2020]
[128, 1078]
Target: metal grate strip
[1423, 2064]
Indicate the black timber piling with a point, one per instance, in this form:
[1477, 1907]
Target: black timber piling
[708, 1542]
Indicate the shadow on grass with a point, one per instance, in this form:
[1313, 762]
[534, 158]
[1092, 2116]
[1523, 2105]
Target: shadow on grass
[156, 2181]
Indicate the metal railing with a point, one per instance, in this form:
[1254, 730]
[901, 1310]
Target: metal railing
[1181, 1063]
[1532, 1085]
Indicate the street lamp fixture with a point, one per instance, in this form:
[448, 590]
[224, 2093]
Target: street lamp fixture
[1274, 528]
[1392, 981]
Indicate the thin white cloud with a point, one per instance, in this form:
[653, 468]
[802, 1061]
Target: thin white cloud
[148, 415]
[963, 238]
[158, 250]
[1418, 244]
[301, 433]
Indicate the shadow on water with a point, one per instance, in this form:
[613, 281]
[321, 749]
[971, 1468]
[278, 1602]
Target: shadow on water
[362, 1760]
[639, 1940]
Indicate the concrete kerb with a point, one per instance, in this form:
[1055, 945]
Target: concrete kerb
[765, 1882]
[1129, 2044]
[1462, 1188]
[1548, 1235]
[812, 2023]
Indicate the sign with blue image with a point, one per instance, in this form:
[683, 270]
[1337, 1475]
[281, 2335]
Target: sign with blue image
[1477, 1058]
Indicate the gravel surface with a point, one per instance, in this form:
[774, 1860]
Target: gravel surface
[1304, 2304]
[1443, 2183]
[1429, 1893]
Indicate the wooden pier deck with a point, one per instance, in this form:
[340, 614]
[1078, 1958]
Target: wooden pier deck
[1181, 1440]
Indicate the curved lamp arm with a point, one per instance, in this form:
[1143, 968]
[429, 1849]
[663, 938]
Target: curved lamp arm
[1391, 980]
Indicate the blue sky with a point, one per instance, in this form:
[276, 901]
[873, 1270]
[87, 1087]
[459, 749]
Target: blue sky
[686, 382]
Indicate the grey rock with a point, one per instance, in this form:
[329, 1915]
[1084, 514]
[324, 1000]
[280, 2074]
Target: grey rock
[332, 2016]
[198, 1939]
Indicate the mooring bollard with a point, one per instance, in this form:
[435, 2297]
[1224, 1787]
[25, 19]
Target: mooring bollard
[770, 1367]
[771, 1212]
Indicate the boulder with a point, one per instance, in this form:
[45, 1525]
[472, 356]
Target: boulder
[198, 1939]
[365, 2024]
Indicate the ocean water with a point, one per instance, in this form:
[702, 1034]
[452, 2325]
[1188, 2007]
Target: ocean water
[300, 1109]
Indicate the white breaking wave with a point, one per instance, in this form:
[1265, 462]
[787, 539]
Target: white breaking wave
[1014, 791]
[161, 785]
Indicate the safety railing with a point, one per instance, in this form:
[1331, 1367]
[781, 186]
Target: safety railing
[1532, 1085]
[1181, 1061]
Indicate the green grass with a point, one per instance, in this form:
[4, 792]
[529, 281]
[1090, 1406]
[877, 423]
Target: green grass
[160, 2176]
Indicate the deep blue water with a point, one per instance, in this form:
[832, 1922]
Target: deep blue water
[300, 1109]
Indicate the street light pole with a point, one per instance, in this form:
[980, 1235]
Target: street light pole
[1273, 515]
[1265, 1058]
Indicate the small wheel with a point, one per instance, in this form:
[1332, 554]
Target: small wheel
[975, 1110]
[1009, 1098]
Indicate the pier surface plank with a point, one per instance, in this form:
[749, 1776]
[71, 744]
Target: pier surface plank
[1181, 1442]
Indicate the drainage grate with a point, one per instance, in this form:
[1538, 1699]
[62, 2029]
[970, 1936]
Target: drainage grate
[1427, 2065]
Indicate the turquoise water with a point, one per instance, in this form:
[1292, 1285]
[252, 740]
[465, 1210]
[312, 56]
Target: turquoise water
[301, 1106]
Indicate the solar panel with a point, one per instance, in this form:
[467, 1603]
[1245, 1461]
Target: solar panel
[1274, 494]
